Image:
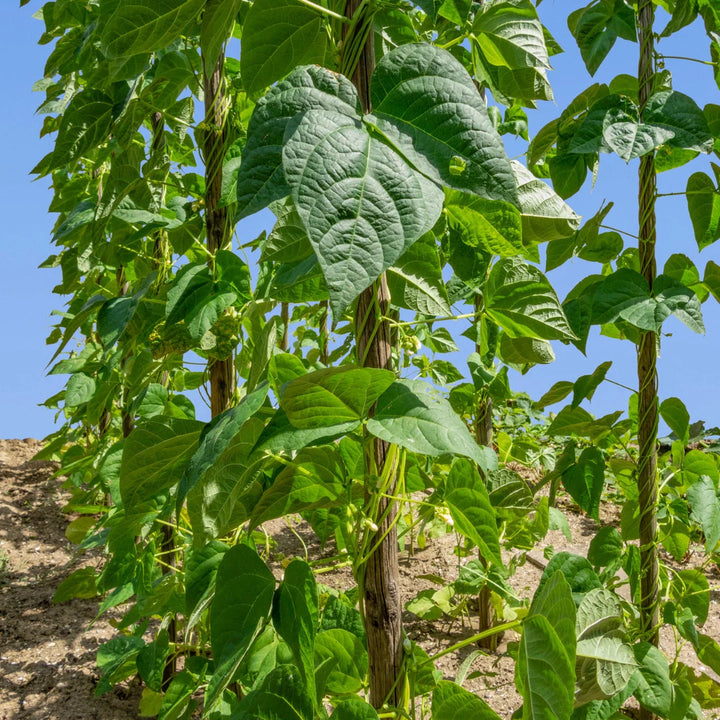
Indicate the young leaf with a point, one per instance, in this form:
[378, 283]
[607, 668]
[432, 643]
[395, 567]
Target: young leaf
[295, 616]
[675, 414]
[450, 701]
[154, 457]
[279, 35]
[493, 226]
[241, 606]
[470, 508]
[705, 507]
[416, 282]
[545, 215]
[519, 298]
[143, 26]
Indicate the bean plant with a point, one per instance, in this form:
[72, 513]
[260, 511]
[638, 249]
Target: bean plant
[372, 132]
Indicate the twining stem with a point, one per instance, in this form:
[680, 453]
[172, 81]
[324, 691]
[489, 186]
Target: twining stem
[217, 221]
[647, 356]
[382, 608]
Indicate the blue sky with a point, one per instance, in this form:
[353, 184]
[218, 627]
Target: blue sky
[688, 362]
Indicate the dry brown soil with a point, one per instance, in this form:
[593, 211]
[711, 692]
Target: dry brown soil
[47, 651]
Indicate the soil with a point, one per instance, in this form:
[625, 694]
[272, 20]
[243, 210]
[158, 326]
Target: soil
[47, 651]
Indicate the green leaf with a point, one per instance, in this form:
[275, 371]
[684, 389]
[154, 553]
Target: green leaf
[577, 571]
[597, 27]
[410, 414]
[154, 457]
[143, 26]
[217, 26]
[545, 215]
[429, 107]
[678, 114]
[450, 701]
[80, 389]
[314, 478]
[282, 696]
[278, 36]
[703, 202]
[554, 601]
[690, 589]
[241, 606]
[288, 242]
[586, 385]
[261, 179]
[81, 583]
[568, 173]
[525, 351]
[675, 414]
[705, 506]
[416, 282]
[585, 480]
[654, 690]
[491, 225]
[511, 36]
[607, 662]
[85, 124]
[116, 661]
[151, 661]
[295, 616]
[606, 547]
[520, 299]
[354, 709]
[470, 508]
[361, 203]
[216, 436]
[201, 567]
[544, 674]
[334, 396]
[348, 657]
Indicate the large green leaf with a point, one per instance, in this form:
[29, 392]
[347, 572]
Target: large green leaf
[85, 124]
[605, 662]
[226, 491]
[545, 215]
[282, 696]
[278, 36]
[411, 414]
[416, 281]
[295, 615]
[705, 506]
[471, 510]
[142, 26]
[354, 709]
[450, 701]
[703, 202]
[201, 567]
[314, 478]
[520, 299]
[625, 295]
[428, 105]
[241, 606]
[654, 690]
[334, 396]
[679, 114]
[543, 673]
[491, 225]
[217, 25]
[510, 35]
[348, 659]
[597, 27]
[585, 480]
[361, 203]
[554, 601]
[261, 179]
[216, 436]
[155, 455]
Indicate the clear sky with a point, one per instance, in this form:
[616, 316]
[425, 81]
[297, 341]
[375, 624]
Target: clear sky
[688, 364]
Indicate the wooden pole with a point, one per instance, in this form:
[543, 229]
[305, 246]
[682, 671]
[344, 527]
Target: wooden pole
[647, 356]
[381, 586]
